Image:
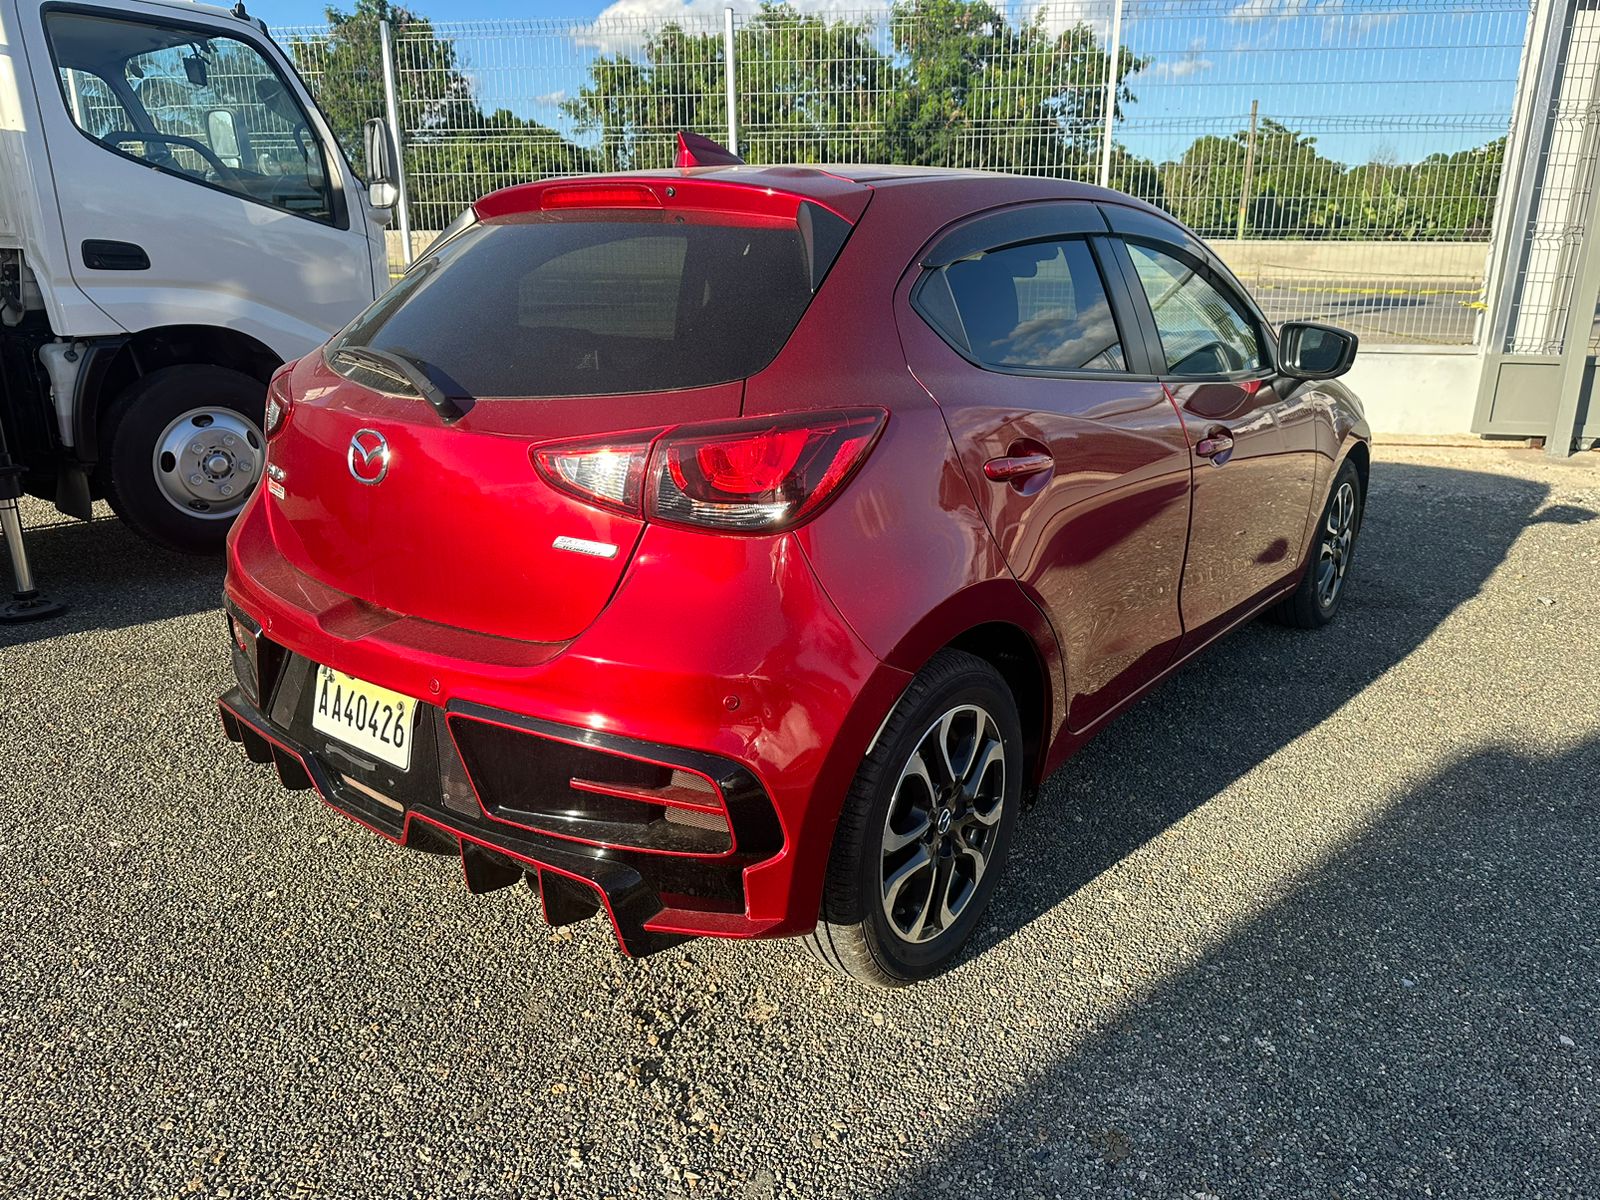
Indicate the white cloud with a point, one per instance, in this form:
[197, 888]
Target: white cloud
[1058, 16]
[1192, 62]
[551, 98]
[1260, 10]
[1342, 20]
[625, 24]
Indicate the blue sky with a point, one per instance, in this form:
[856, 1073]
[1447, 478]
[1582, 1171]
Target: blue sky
[1393, 79]
[302, 12]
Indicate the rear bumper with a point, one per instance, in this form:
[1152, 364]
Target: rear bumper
[719, 657]
[437, 814]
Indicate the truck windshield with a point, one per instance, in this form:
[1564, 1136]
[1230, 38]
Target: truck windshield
[191, 102]
[593, 303]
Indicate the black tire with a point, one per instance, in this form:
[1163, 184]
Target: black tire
[1310, 606]
[855, 935]
[231, 404]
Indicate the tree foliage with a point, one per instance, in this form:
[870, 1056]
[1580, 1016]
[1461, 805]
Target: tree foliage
[455, 152]
[951, 83]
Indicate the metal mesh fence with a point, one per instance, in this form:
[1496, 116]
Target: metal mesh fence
[1343, 156]
[1569, 140]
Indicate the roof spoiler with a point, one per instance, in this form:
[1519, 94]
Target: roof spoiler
[697, 151]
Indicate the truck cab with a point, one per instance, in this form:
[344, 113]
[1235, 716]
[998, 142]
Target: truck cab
[177, 220]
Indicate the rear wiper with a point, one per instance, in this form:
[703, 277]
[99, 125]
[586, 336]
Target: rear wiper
[415, 373]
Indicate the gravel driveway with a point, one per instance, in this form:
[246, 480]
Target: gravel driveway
[1319, 918]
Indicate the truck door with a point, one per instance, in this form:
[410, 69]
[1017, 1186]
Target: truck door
[195, 184]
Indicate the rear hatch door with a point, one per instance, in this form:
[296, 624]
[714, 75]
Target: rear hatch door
[603, 314]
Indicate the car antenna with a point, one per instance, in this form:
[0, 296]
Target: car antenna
[697, 151]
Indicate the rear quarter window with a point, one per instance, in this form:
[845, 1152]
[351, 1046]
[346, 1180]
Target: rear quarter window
[1040, 306]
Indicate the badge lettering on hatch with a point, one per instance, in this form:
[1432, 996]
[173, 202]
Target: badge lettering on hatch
[584, 546]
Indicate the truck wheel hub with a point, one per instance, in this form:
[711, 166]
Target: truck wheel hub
[208, 461]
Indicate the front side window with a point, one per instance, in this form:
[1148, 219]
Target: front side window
[200, 106]
[1203, 330]
[1038, 306]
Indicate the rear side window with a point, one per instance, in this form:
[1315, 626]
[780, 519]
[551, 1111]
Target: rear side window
[1203, 330]
[1039, 306]
[585, 304]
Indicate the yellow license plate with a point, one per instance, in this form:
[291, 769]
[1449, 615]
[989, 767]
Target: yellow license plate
[364, 716]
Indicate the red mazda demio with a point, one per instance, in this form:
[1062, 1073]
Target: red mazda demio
[731, 549]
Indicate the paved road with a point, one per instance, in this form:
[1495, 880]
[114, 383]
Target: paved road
[1400, 312]
[1321, 918]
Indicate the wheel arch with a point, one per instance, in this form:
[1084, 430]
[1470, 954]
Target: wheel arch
[996, 621]
[1360, 456]
[1012, 653]
[159, 347]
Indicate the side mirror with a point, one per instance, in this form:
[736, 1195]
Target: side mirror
[1308, 350]
[223, 134]
[383, 167]
[383, 170]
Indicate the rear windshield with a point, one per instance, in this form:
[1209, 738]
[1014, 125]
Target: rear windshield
[584, 304]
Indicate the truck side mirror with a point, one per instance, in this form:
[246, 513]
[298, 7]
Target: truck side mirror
[223, 134]
[1309, 350]
[383, 169]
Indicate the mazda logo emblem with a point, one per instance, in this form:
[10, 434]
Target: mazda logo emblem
[368, 456]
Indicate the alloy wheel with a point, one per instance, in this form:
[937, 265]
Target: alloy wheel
[942, 824]
[1338, 535]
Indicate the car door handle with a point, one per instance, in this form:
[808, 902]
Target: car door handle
[1017, 466]
[1216, 445]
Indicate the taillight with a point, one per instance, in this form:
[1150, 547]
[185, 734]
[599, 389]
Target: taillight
[608, 472]
[757, 475]
[754, 475]
[278, 402]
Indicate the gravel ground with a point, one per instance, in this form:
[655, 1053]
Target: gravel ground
[1319, 918]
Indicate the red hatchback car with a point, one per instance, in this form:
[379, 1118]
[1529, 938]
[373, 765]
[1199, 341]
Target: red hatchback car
[732, 549]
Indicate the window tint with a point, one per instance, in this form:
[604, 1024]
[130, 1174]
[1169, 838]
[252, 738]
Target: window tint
[1203, 330]
[571, 305]
[1040, 306]
[206, 108]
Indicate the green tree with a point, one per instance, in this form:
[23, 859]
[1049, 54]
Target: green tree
[454, 151]
[807, 87]
[979, 91]
[956, 84]
[1294, 188]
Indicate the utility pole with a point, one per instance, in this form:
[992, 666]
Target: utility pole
[1249, 169]
[728, 67]
[1113, 61]
[391, 107]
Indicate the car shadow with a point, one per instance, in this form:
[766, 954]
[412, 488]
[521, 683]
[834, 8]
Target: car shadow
[1430, 538]
[108, 577]
[1415, 1017]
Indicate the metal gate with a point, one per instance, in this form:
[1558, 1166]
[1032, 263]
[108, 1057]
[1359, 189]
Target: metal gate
[1541, 341]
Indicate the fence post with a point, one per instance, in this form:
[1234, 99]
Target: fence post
[1112, 61]
[1249, 169]
[727, 72]
[391, 106]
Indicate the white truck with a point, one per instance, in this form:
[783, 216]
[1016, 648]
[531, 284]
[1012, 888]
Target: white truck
[176, 220]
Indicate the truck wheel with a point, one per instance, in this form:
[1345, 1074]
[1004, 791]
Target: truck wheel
[182, 451]
[925, 829]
